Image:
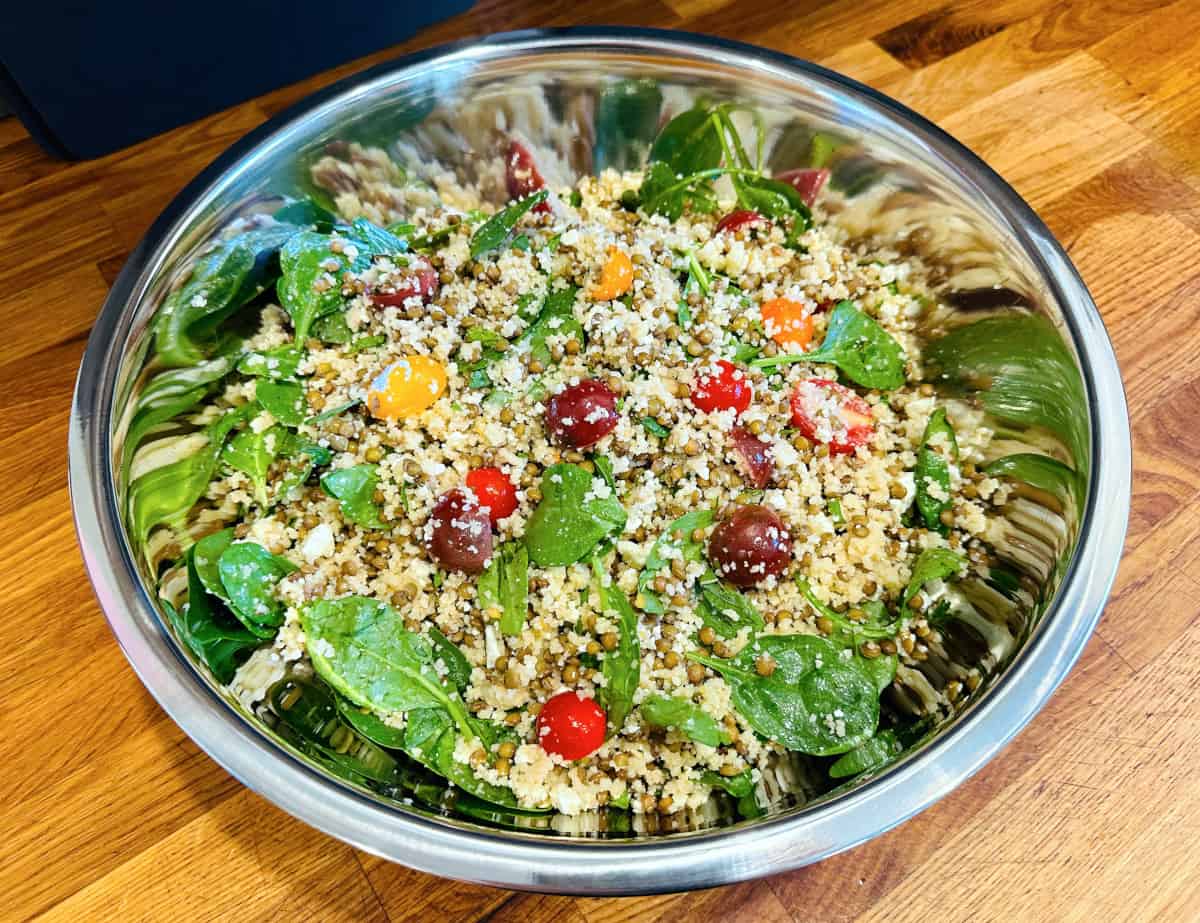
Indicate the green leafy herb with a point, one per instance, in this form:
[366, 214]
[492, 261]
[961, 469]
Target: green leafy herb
[284, 400]
[816, 701]
[569, 521]
[834, 508]
[877, 626]
[220, 647]
[368, 342]
[690, 719]
[496, 230]
[303, 456]
[654, 428]
[932, 475]
[725, 610]
[932, 564]
[332, 328]
[556, 318]
[669, 546]
[855, 343]
[354, 489]
[870, 754]
[504, 585]
[604, 468]
[362, 649]
[249, 574]
[333, 412]
[621, 666]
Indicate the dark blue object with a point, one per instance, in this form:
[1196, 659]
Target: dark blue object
[91, 77]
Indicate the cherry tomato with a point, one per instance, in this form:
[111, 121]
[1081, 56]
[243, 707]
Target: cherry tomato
[571, 726]
[725, 388]
[788, 322]
[460, 537]
[807, 181]
[521, 174]
[736, 220]
[616, 276]
[406, 388]
[581, 415]
[755, 459]
[749, 546]
[494, 491]
[418, 279]
[824, 411]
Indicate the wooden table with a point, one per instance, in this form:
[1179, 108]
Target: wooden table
[1089, 108]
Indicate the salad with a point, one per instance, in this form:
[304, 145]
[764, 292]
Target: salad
[617, 496]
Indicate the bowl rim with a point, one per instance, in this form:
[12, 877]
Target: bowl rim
[701, 859]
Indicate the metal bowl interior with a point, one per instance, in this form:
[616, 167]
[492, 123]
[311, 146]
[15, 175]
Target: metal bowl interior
[903, 178]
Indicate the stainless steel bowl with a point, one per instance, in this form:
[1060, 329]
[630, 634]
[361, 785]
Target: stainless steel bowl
[908, 181]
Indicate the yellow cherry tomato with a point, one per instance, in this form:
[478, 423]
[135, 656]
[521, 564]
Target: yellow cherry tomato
[788, 323]
[616, 276]
[406, 387]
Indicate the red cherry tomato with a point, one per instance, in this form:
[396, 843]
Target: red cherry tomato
[494, 491]
[824, 411]
[521, 174]
[725, 388]
[581, 415]
[571, 726]
[419, 279]
[807, 181]
[755, 458]
[735, 221]
[749, 546]
[460, 535]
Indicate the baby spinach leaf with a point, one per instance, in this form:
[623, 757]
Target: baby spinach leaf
[222, 280]
[877, 626]
[870, 754]
[724, 609]
[932, 564]
[222, 648]
[569, 522]
[249, 574]
[663, 192]
[463, 776]
[165, 495]
[206, 556]
[495, 231]
[604, 468]
[284, 400]
[371, 726]
[933, 470]
[688, 143]
[1022, 371]
[354, 489]
[621, 667]
[332, 328]
[684, 715]
[816, 701]
[379, 241]
[667, 543]
[252, 453]
[278, 364]
[362, 649]
[311, 285]
[626, 119]
[504, 585]
[855, 343]
[458, 668]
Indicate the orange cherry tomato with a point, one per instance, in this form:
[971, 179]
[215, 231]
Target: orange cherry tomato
[789, 323]
[406, 388]
[616, 277]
